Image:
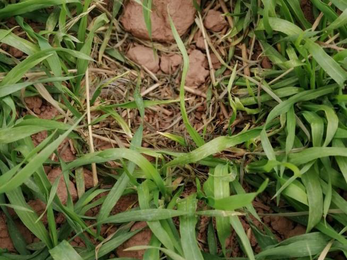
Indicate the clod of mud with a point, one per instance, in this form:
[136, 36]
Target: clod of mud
[266, 63]
[62, 191]
[199, 41]
[215, 62]
[170, 63]
[39, 207]
[25, 232]
[41, 108]
[297, 231]
[48, 112]
[182, 13]
[140, 239]
[124, 203]
[145, 57]
[15, 52]
[65, 151]
[280, 224]
[88, 178]
[306, 6]
[197, 73]
[215, 21]
[34, 103]
[39, 137]
[6, 242]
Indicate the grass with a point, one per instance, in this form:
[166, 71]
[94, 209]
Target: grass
[276, 133]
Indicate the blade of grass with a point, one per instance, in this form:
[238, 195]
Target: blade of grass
[192, 132]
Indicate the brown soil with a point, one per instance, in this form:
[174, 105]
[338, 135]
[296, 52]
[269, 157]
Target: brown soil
[182, 13]
[88, 178]
[62, 191]
[39, 207]
[199, 41]
[145, 57]
[170, 63]
[41, 108]
[215, 21]
[140, 239]
[197, 72]
[6, 242]
[306, 6]
[66, 152]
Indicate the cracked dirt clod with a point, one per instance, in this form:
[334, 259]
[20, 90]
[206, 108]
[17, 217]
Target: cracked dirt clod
[197, 73]
[140, 239]
[182, 13]
[62, 191]
[6, 242]
[145, 57]
[215, 21]
[170, 63]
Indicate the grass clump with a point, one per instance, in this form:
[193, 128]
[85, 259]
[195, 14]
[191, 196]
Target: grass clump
[216, 173]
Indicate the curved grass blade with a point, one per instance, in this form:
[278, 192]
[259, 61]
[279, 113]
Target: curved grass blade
[144, 215]
[34, 164]
[237, 225]
[122, 153]
[314, 153]
[192, 132]
[215, 146]
[30, 6]
[314, 191]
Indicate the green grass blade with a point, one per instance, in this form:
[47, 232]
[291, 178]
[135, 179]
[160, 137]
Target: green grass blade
[188, 222]
[29, 6]
[192, 132]
[144, 215]
[314, 196]
[328, 64]
[34, 164]
[237, 226]
[215, 146]
[64, 251]
[222, 190]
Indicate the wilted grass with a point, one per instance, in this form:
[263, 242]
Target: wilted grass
[293, 147]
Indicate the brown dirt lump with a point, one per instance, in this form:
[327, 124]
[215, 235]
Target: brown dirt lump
[215, 21]
[140, 239]
[62, 191]
[145, 57]
[170, 63]
[197, 73]
[182, 13]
